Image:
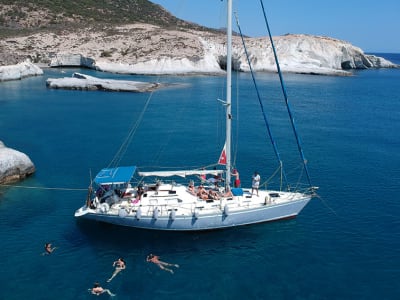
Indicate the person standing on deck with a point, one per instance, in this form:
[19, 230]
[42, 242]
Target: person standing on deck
[255, 182]
[236, 183]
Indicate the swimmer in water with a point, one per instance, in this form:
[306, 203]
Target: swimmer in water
[119, 266]
[155, 259]
[98, 290]
[48, 249]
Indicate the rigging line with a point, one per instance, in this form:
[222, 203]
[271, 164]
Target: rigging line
[272, 176]
[125, 144]
[260, 102]
[43, 188]
[285, 96]
[325, 203]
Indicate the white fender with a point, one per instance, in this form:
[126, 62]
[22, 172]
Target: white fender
[267, 199]
[172, 215]
[226, 210]
[196, 214]
[122, 212]
[138, 214]
[155, 213]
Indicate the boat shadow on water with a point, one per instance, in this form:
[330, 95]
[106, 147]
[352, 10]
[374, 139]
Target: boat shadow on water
[101, 234]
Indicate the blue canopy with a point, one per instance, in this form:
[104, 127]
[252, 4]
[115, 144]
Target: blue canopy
[115, 175]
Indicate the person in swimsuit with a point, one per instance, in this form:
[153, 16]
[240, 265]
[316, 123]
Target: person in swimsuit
[235, 173]
[98, 290]
[191, 188]
[155, 260]
[48, 249]
[202, 193]
[119, 266]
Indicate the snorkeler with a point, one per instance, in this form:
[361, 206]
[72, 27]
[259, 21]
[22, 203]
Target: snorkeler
[155, 259]
[119, 266]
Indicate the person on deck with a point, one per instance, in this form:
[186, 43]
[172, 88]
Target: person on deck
[235, 173]
[202, 193]
[228, 192]
[191, 187]
[255, 182]
[140, 192]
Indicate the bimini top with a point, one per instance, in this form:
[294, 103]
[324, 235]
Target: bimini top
[115, 175]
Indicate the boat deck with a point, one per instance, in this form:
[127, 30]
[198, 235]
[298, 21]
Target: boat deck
[179, 199]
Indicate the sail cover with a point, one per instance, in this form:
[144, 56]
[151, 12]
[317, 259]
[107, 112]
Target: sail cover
[115, 175]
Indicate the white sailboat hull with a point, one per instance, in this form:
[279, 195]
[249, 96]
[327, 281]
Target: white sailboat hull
[155, 212]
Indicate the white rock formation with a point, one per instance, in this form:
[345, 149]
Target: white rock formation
[296, 53]
[80, 81]
[148, 49]
[19, 71]
[14, 165]
[71, 60]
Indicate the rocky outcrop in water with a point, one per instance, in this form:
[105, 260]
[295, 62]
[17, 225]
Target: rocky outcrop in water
[14, 165]
[19, 71]
[80, 81]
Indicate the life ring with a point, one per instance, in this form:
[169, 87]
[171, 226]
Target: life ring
[122, 213]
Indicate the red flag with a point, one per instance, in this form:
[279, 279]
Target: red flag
[222, 157]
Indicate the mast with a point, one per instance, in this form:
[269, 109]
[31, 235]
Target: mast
[228, 92]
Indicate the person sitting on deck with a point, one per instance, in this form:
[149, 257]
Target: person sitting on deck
[202, 193]
[228, 192]
[191, 187]
[213, 195]
[140, 192]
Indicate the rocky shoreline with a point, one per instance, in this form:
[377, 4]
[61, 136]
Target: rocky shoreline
[149, 49]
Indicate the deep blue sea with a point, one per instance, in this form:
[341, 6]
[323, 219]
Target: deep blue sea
[344, 245]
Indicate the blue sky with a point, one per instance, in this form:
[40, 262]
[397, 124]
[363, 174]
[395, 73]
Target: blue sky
[374, 26]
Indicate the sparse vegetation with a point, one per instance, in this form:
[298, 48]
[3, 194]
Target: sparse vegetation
[17, 16]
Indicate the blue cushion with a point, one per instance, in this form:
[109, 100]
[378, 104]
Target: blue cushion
[237, 191]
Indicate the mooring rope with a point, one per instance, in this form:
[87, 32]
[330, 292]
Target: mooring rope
[43, 188]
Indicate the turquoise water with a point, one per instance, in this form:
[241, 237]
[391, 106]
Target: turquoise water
[344, 245]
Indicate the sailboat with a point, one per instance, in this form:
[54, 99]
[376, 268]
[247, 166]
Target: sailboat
[158, 201]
